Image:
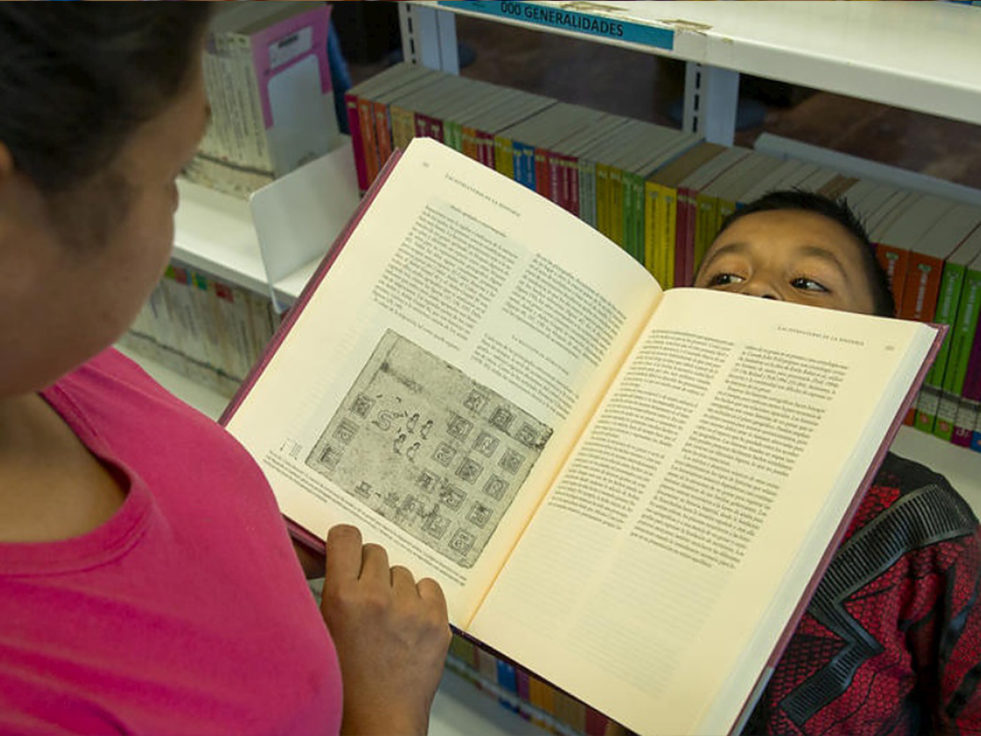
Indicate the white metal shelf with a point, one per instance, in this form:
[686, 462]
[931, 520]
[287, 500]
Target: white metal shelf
[921, 56]
[215, 232]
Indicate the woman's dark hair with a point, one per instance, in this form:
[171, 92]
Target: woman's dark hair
[76, 79]
[838, 211]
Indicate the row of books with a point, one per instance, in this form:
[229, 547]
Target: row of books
[521, 692]
[662, 194]
[204, 328]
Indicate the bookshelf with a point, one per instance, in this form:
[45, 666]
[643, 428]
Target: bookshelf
[919, 56]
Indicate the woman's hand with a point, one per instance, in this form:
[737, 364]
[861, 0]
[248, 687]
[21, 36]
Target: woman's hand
[391, 635]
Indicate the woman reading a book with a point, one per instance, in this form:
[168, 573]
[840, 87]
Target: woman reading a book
[891, 641]
[147, 581]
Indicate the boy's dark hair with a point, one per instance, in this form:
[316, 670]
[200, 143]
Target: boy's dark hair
[76, 79]
[840, 212]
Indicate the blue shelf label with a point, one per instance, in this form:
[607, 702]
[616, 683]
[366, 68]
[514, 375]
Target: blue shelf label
[570, 20]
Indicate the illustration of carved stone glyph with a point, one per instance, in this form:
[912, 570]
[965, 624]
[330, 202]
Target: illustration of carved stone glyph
[427, 447]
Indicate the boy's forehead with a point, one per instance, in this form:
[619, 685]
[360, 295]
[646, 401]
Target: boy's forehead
[792, 227]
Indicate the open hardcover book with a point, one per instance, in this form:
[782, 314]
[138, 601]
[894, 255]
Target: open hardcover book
[630, 492]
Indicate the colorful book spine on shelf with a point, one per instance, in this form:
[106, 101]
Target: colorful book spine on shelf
[948, 299]
[524, 164]
[961, 343]
[895, 262]
[660, 205]
[966, 418]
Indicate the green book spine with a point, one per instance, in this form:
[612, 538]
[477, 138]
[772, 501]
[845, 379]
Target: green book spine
[961, 340]
[928, 402]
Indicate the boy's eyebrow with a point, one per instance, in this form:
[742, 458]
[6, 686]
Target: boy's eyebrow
[814, 251]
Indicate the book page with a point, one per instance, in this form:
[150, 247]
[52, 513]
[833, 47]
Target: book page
[686, 524]
[434, 381]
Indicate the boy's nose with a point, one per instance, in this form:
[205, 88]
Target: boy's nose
[760, 287]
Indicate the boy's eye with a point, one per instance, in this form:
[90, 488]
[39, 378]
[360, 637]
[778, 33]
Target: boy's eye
[808, 284]
[724, 279]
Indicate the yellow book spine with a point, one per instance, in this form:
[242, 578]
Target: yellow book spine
[705, 217]
[504, 156]
[663, 232]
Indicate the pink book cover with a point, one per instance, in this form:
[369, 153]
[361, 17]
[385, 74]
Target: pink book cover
[843, 525]
[299, 533]
[280, 46]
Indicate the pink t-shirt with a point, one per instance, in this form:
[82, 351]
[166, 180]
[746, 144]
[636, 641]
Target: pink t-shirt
[187, 612]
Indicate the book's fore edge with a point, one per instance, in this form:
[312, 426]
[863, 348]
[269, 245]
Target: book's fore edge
[908, 401]
[298, 532]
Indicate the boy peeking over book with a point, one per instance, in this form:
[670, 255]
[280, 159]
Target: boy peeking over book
[891, 640]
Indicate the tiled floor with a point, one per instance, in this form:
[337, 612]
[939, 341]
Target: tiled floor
[646, 87]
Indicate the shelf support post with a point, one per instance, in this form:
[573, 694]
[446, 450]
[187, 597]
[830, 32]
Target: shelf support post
[429, 37]
[711, 101]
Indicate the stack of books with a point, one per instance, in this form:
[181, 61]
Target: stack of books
[268, 82]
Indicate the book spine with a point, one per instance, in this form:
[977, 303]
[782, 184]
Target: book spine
[894, 260]
[636, 218]
[565, 182]
[976, 436]
[627, 219]
[383, 131]
[923, 275]
[596, 722]
[508, 680]
[669, 234]
[614, 193]
[470, 147]
[524, 156]
[705, 227]
[420, 125]
[435, 129]
[504, 156]
[587, 173]
[650, 235]
[684, 240]
[357, 145]
[583, 202]
[365, 122]
[397, 116]
[967, 411]
[264, 155]
[602, 199]
[542, 181]
[213, 143]
[554, 177]
[948, 298]
[485, 147]
[961, 341]
[572, 171]
[451, 132]
[965, 422]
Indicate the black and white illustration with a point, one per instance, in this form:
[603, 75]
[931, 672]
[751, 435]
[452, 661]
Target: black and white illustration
[427, 447]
